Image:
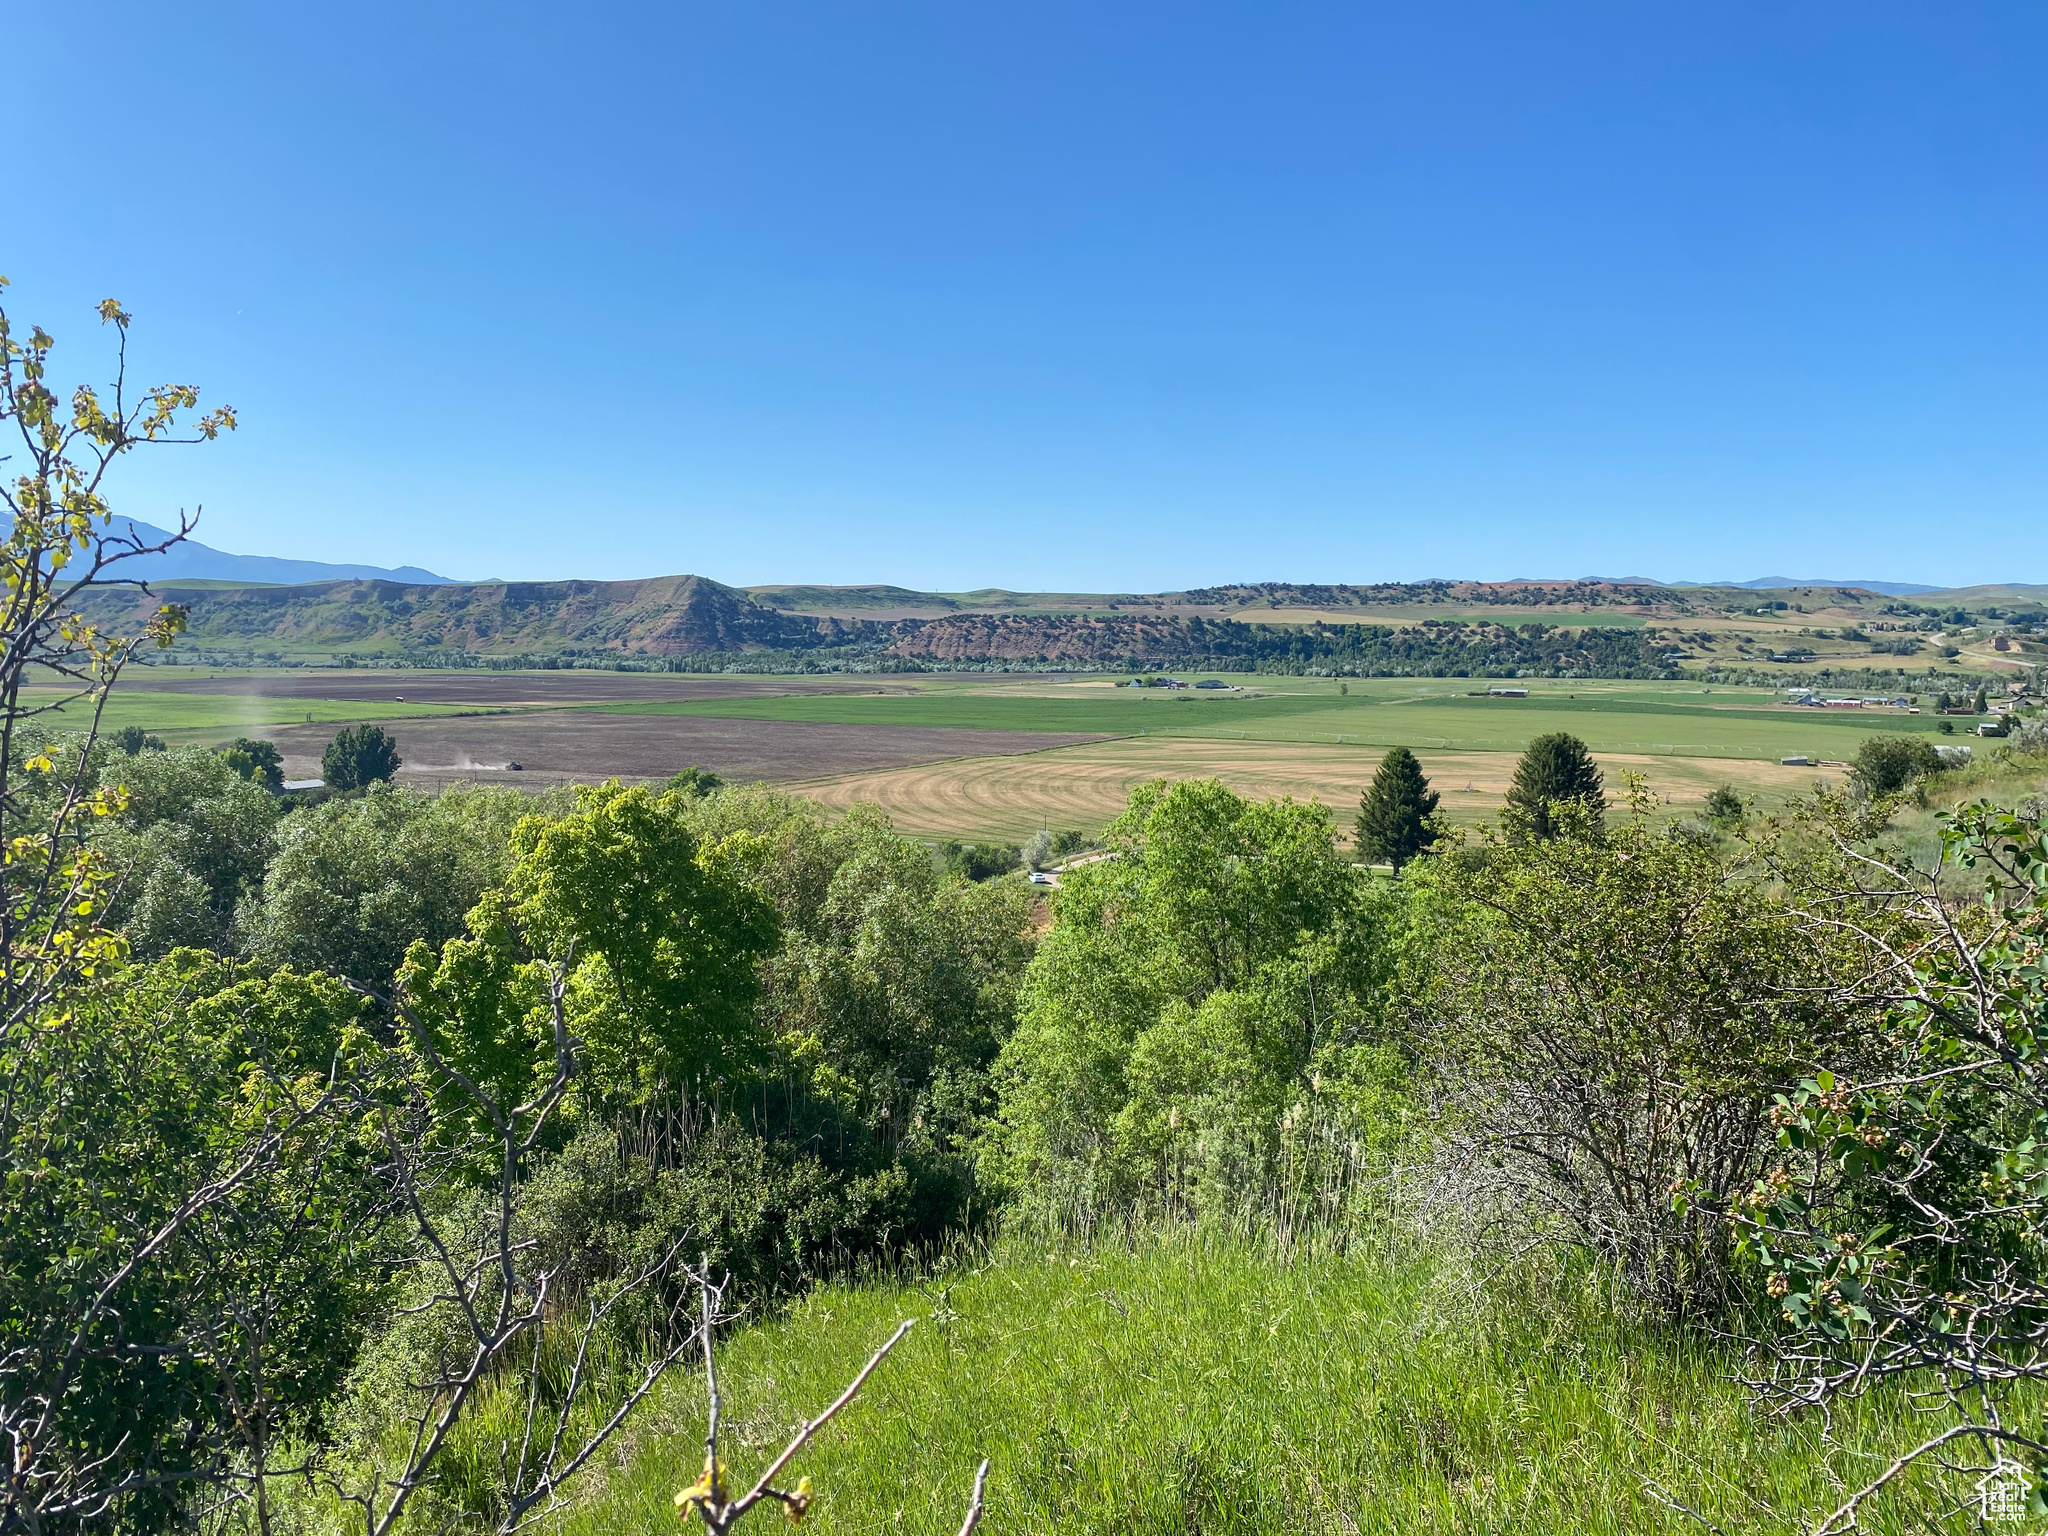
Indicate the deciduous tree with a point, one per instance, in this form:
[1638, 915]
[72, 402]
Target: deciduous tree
[359, 755]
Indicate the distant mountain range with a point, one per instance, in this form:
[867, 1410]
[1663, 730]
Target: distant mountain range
[193, 561]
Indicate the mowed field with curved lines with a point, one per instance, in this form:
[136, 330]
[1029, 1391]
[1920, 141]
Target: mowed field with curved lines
[1081, 787]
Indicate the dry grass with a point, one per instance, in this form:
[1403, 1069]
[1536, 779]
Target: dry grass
[1084, 786]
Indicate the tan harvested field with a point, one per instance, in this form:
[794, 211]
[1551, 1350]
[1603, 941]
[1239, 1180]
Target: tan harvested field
[556, 746]
[1083, 786]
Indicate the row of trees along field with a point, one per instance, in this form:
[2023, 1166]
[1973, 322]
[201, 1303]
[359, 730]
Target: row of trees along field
[368, 1163]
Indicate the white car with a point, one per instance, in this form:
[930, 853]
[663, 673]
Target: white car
[1040, 877]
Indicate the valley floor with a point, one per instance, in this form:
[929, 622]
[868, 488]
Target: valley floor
[1001, 755]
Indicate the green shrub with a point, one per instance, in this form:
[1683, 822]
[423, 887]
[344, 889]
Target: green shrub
[1606, 1020]
[134, 740]
[141, 1122]
[1885, 765]
[980, 861]
[695, 782]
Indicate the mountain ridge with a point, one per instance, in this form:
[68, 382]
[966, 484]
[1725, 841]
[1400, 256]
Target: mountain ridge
[669, 619]
[190, 560]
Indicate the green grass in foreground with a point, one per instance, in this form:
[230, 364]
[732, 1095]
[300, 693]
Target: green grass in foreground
[1207, 1387]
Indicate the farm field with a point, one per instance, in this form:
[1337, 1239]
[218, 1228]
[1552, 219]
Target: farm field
[1083, 786]
[563, 746]
[1302, 737]
[1612, 717]
[979, 755]
[180, 716]
[1098, 710]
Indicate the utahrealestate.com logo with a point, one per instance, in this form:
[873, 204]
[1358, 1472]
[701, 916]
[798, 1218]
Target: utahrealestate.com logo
[2003, 1495]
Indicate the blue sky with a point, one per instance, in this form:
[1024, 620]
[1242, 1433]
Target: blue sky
[1103, 296]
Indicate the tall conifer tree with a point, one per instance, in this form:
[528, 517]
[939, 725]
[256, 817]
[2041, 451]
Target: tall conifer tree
[1393, 815]
[1556, 768]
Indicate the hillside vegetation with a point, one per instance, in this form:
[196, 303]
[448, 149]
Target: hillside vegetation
[1198, 1384]
[1444, 629]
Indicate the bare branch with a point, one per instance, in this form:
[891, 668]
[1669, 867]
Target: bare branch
[974, 1500]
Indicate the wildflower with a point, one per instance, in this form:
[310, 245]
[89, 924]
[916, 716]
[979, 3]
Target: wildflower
[706, 1493]
[798, 1504]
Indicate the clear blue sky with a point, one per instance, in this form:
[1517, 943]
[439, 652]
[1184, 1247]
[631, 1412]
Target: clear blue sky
[1093, 296]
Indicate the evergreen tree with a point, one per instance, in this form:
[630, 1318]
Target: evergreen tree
[1980, 704]
[1724, 804]
[1555, 769]
[1393, 815]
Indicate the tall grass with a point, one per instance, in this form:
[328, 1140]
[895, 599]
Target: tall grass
[1197, 1384]
[2011, 779]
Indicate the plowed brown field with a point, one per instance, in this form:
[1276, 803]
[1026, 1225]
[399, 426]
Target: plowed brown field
[557, 746]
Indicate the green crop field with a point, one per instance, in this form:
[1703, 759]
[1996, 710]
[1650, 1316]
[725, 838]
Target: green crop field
[1609, 717]
[1120, 712]
[170, 713]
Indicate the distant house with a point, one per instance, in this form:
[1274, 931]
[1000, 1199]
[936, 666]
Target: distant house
[1801, 761]
[1210, 682]
[1508, 693]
